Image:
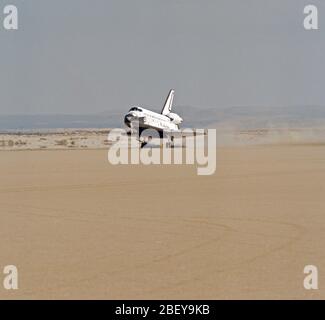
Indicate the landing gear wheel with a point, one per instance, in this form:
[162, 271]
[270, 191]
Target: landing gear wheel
[170, 142]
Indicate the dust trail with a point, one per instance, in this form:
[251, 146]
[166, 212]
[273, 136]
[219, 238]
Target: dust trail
[235, 137]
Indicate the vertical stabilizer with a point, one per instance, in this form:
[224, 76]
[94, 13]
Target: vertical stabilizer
[169, 103]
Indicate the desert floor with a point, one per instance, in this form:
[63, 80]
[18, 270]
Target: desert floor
[77, 227]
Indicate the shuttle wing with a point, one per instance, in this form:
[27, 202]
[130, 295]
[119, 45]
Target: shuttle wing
[185, 133]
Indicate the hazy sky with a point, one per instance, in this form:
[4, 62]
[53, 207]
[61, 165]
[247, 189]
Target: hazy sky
[86, 56]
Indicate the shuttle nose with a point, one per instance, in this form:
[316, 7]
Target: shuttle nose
[127, 121]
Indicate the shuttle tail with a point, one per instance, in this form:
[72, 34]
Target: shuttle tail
[169, 103]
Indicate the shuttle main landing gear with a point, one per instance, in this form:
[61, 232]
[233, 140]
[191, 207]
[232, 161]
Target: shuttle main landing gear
[170, 142]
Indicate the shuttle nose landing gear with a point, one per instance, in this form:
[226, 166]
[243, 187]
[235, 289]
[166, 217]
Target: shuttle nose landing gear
[145, 141]
[143, 144]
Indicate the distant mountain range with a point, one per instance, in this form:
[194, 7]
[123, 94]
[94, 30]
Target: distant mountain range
[250, 117]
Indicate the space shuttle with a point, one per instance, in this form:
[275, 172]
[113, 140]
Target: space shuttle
[166, 122]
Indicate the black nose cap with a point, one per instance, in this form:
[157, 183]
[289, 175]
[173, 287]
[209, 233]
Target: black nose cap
[127, 121]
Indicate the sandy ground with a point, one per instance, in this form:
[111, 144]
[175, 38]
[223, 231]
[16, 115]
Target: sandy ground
[78, 227]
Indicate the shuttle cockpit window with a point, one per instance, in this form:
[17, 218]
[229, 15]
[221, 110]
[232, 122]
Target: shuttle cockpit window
[135, 109]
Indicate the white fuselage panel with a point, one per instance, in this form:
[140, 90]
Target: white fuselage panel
[150, 119]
